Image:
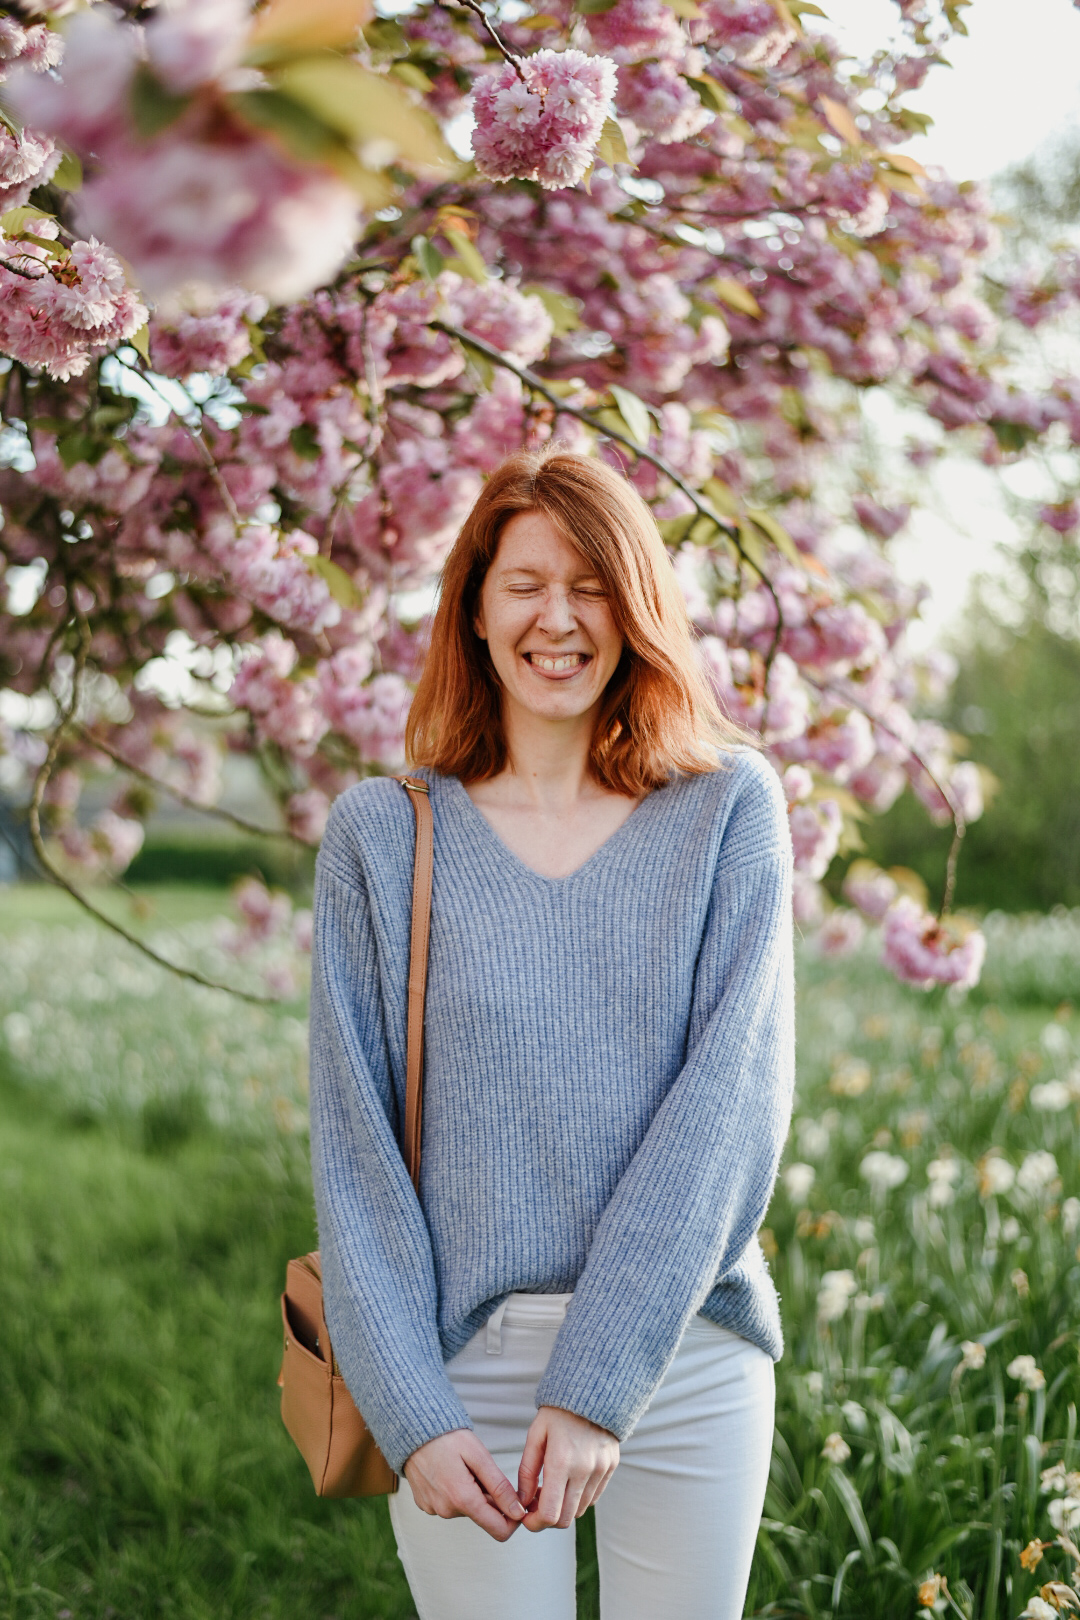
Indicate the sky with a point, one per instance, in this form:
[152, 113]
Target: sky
[1013, 85]
[1014, 81]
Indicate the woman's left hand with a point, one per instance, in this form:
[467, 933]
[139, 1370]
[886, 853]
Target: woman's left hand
[577, 1459]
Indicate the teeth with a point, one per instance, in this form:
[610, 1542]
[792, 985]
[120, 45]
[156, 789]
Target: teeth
[554, 666]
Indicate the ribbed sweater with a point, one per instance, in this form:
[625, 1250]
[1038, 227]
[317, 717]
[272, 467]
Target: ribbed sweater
[609, 1064]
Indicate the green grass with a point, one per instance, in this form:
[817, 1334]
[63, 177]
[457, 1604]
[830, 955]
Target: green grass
[144, 1467]
[153, 1182]
[141, 908]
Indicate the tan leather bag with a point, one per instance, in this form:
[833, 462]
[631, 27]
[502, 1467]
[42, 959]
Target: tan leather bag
[317, 1409]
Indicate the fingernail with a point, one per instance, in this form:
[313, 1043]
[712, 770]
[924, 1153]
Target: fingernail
[517, 1511]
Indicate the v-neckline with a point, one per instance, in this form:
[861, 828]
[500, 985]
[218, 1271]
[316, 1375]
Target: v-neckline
[509, 856]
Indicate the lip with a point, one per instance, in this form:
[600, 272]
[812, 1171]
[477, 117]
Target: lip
[558, 674]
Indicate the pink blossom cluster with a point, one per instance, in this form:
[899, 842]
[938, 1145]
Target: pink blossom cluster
[841, 933]
[406, 348]
[105, 848]
[632, 30]
[59, 312]
[208, 201]
[270, 934]
[922, 951]
[815, 835]
[372, 715]
[283, 710]
[870, 889]
[27, 157]
[211, 341]
[275, 573]
[540, 119]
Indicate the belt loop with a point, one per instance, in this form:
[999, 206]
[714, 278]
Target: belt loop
[494, 1329]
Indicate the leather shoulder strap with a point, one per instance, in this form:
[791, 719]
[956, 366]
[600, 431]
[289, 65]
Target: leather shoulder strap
[423, 866]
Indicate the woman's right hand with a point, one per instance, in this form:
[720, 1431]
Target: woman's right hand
[455, 1476]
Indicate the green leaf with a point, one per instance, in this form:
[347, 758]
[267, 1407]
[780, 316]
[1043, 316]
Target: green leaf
[1012, 436]
[565, 312]
[364, 107]
[704, 531]
[591, 8]
[736, 296]
[469, 261]
[288, 27]
[305, 442]
[109, 416]
[849, 1500]
[684, 8]
[753, 552]
[428, 257]
[611, 146]
[51, 247]
[712, 93]
[75, 447]
[805, 8]
[722, 497]
[384, 34]
[635, 413]
[342, 587]
[68, 175]
[153, 108]
[15, 219]
[140, 342]
[674, 530]
[778, 535]
[545, 20]
[413, 76]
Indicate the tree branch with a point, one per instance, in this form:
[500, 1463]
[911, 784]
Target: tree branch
[41, 782]
[503, 49]
[185, 798]
[959, 823]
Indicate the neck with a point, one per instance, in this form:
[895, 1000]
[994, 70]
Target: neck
[548, 761]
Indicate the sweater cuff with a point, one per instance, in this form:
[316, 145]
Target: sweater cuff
[436, 1411]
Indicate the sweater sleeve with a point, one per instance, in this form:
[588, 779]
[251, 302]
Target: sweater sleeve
[696, 1191]
[378, 1271]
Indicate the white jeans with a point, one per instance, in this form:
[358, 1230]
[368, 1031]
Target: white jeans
[677, 1524]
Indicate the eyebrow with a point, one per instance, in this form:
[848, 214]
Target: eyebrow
[533, 573]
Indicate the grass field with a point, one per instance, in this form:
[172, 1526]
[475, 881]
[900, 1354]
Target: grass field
[153, 1182]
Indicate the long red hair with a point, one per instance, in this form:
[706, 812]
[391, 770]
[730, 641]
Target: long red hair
[658, 717]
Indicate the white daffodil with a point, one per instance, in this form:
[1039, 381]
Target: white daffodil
[1037, 1173]
[1051, 1097]
[1027, 1372]
[798, 1180]
[996, 1175]
[883, 1171]
[836, 1449]
[942, 1174]
[836, 1289]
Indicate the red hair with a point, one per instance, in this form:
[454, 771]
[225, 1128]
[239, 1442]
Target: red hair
[658, 716]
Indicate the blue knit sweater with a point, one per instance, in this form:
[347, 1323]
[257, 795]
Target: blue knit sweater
[609, 1065]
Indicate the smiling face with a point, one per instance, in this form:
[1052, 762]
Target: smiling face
[547, 620]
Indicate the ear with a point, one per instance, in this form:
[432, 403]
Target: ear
[478, 622]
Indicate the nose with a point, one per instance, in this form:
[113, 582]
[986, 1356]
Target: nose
[556, 616]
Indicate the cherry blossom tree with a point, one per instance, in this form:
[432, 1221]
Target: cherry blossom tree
[267, 334]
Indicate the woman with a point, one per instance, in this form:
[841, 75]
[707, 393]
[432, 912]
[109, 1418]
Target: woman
[576, 1309]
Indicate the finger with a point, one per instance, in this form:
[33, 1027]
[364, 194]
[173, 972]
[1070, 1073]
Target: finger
[532, 1461]
[494, 1483]
[571, 1503]
[592, 1490]
[471, 1503]
[545, 1515]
